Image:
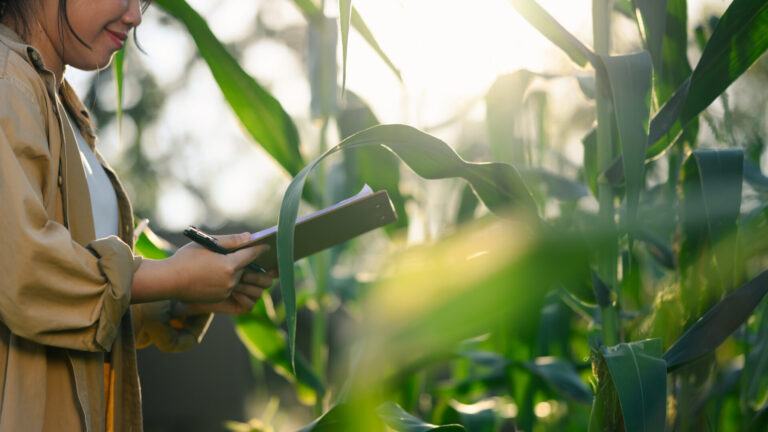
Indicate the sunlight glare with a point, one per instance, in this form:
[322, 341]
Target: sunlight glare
[451, 51]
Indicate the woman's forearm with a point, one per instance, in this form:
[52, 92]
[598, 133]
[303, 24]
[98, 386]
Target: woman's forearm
[155, 280]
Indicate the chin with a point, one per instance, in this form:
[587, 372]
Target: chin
[93, 64]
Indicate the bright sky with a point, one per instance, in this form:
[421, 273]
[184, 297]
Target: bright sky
[449, 53]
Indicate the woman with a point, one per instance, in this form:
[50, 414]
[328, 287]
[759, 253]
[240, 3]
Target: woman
[74, 300]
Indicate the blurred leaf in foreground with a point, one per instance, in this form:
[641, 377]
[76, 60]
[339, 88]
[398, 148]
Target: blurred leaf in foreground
[400, 421]
[461, 287]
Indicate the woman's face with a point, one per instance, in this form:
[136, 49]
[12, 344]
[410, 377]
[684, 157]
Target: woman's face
[101, 24]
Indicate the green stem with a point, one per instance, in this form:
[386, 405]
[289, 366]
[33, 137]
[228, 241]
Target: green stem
[321, 272]
[608, 259]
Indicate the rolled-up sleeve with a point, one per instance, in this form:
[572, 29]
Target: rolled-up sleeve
[53, 291]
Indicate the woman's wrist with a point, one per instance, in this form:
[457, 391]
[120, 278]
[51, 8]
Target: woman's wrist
[157, 280]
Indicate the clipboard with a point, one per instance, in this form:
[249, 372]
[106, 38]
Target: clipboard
[350, 218]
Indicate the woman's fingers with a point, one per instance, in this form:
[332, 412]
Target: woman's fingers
[244, 302]
[260, 279]
[252, 291]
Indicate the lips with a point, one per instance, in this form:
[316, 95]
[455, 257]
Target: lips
[117, 37]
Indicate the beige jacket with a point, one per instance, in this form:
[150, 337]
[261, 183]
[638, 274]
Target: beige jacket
[67, 341]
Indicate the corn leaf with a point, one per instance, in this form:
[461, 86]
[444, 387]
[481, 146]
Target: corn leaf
[345, 15]
[322, 65]
[261, 114]
[562, 376]
[309, 9]
[377, 167]
[640, 377]
[359, 25]
[654, 19]
[739, 39]
[345, 418]
[756, 365]
[760, 421]
[498, 185]
[503, 108]
[717, 324]
[552, 30]
[118, 63]
[675, 65]
[401, 421]
[554, 185]
[630, 79]
[712, 181]
[476, 419]
[506, 274]
[265, 341]
[146, 248]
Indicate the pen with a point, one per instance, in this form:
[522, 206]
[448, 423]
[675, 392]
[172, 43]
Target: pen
[208, 242]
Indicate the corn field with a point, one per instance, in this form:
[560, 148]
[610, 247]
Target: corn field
[643, 312]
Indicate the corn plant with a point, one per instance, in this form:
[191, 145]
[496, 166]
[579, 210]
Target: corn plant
[645, 315]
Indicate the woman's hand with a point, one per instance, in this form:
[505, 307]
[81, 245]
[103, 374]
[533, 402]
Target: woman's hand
[209, 277]
[204, 281]
[241, 300]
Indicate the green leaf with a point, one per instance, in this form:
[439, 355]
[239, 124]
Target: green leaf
[345, 15]
[756, 365]
[711, 186]
[261, 114]
[423, 310]
[640, 377]
[359, 25]
[401, 421]
[498, 185]
[118, 63]
[675, 66]
[147, 249]
[625, 8]
[739, 39]
[477, 417]
[555, 186]
[265, 341]
[717, 324]
[760, 421]
[309, 9]
[322, 66]
[591, 170]
[657, 248]
[552, 30]
[503, 107]
[344, 418]
[654, 19]
[377, 167]
[467, 205]
[562, 376]
[630, 79]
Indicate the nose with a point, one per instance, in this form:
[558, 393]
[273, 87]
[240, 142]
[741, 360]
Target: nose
[132, 15]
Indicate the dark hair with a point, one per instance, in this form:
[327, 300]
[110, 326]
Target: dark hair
[18, 10]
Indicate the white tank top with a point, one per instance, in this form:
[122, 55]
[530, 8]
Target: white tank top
[103, 197]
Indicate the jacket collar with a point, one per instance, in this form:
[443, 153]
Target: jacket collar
[70, 100]
[27, 52]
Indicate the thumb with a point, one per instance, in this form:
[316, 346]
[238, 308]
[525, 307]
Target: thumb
[244, 256]
[232, 241]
